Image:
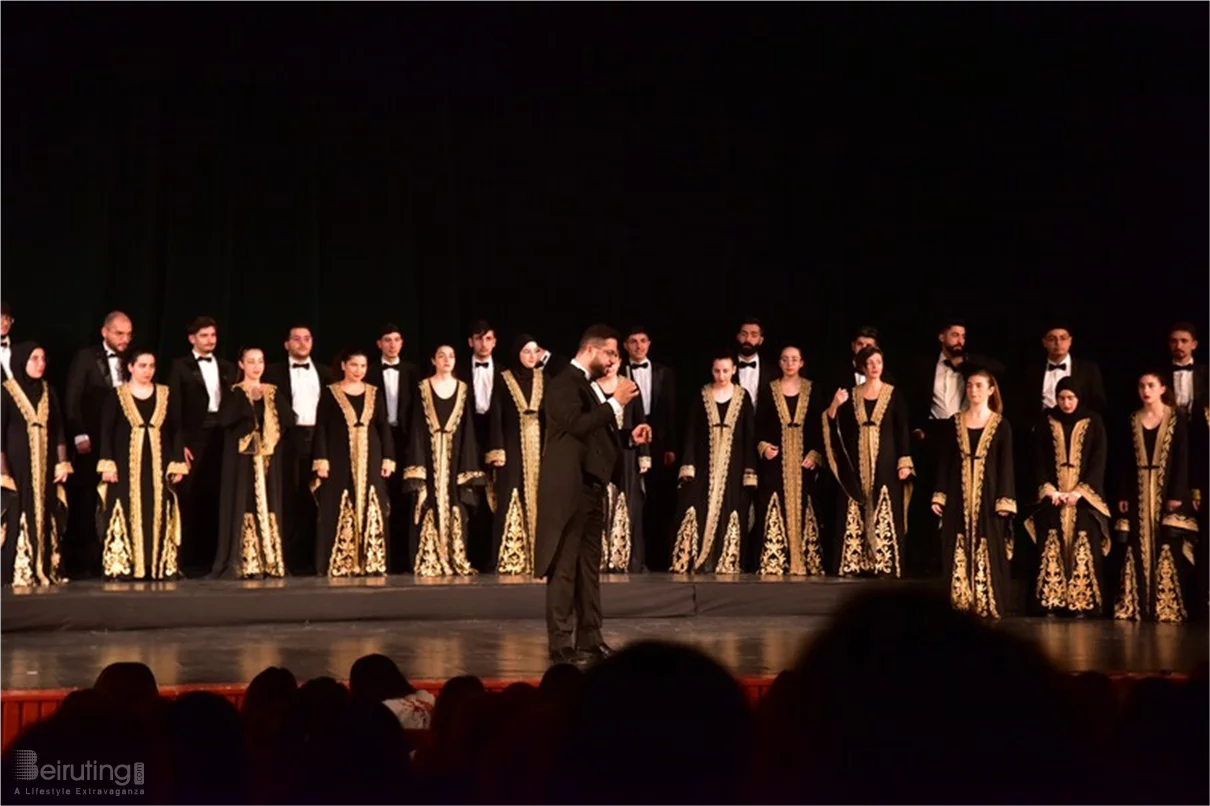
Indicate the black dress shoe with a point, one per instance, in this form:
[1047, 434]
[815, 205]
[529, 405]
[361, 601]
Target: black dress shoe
[564, 655]
[598, 652]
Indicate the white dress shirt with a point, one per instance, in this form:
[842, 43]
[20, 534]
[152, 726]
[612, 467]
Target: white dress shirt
[304, 392]
[1182, 386]
[209, 371]
[115, 367]
[483, 377]
[858, 379]
[1051, 379]
[617, 407]
[749, 377]
[641, 375]
[949, 392]
[6, 356]
[390, 386]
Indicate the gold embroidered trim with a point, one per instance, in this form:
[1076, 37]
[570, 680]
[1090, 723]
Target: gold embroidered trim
[939, 499]
[321, 464]
[389, 466]
[973, 468]
[177, 469]
[750, 479]
[342, 561]
[962, 598]
[1006, 505]
[23, 562]
[1051, 588]
[619, 533]
[415, 473]
[1083, 589]
[1151, 487]
[812, 549]
[984, 587]
[728, 559]
[138, 434]
[446, 527]
[854, 556]
[1177, 521]
[359, 461]
[116, 554]
[1046, 491]
[491, 457]
[684, 550]
[1169, 603]
[644, 464]
[1127, 606]
[905, 461]
[36, 426]
[64, 467]
[375, 537]
[1121, 525]
[720, 462]
[462, 479]
[687, 472]
[762, 446]
[774, 555]
[264, 436]
[106, 466]
[513, 556]
[531, 446]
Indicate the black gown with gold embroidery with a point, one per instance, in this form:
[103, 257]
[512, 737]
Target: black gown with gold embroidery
[443, 469]
[718, 463]
[786, 510]
[623, 548]
[866, 445]
[250, 497]
[1069, 456]
[516, 437]
[1159, 542]
[139, 522]
[353, 443]
[34, 507]
[976, 487]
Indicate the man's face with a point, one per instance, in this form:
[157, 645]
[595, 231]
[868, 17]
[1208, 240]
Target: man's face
[6, 324]
[862, 342]
[299, 343]
[205, 340]
[637, 346]
[117, 334]
[391, 345]
[1057, 343]
[953, 341]
[1182, 344]
[601, 358]
[750, 338]
[483, 344]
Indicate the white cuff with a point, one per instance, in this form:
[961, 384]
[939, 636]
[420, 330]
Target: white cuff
[617, 407]
[81, 438]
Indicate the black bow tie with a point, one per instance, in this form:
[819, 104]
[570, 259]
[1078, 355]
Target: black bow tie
[110, 356]
[4, 342]
[747, 365]
[385, 367]
[1184, 368]
[202, 358]
[949, 365]
[301, 366]
[643, 365]
[484, 364]
[1060, 367]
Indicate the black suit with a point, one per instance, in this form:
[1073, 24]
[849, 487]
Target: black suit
[660, 504]
[89, 382]
[1085, 374]
[409, 379]
[580, 459]
[479, 526]
[189, 409]
[298, 506]
[1199, 478]
[768, 370]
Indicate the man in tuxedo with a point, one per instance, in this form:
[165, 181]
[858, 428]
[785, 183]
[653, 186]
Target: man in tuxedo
[752, 373]
[398, 380]
[196, 386]
[1060, 365]
[482, 376]
[1190, 383]
[300, 380]
[581, 458]
[1190, 386]
[6, 348]
[657, 387]
[94, 373]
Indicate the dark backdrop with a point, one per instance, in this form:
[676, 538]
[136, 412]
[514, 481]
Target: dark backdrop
[820, 166]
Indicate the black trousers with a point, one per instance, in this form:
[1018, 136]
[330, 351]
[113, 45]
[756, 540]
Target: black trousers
[573, 589]
[299, 514]
[923, 543]
[82, 543]
[200, 502]
[400, 561]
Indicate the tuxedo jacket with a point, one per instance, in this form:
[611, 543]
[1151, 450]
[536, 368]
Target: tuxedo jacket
[279, 375]
[769, 371]
[88, 383]
[1201, 388]
[409, 379]
[920, 389]
[188, 400]
[663, 409]
[465, 373]
[1084, 373]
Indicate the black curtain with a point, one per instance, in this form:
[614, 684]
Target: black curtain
[818, 166]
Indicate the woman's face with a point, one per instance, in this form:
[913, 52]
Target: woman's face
[611, 371]
[142, 369]
[444, 359]
[35, 367]
[253, 364]
[1151, 389]
[978, 390]
[873, 367]
[1068, 402]
[530, 354]
[354, 368]
[791, 362]
[722, 370]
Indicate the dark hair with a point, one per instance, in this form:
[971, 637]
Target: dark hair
[239, 357]
[1057, 326]
[201, 323]
[995, 402]
[1188, 327]
[946, 324]
[866, 332]
[132, 354]
[440, 344]
[375, 678]
[481, 326]
[752, 320]
[724, 353]
[1168, 398]
[635, 330]
[342, 357]
[597, 335]
[299, 327]
[4, 309]
[865, 354]
[388, 329]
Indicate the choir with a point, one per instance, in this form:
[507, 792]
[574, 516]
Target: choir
[253, 469]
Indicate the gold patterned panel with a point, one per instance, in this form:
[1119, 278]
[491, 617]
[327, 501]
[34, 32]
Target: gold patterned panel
[1127, 607]
[728, 558]
[619, 534]
[138, 434]
[720, 462]
[813, 559]
[686, 473]
[1051, 588]
[514, 556]
[342, 562]
[1006, 506]
[974, 466]
[23, 562]
[36, 426]
[462, 565]
[1083, 589]
[773, 555]
[1176, 520]
[359, 460]
[414, 473]
[431, 559]
[684, 551]
[375, 560]
[984, 585]
[854, 557]
[1169, 603]
[250, 565]
[491, 457]
[448, 524]
[962, 598]
[116, 553]
[791, 455]
[883, 541]
[531, 445]
[939, 499]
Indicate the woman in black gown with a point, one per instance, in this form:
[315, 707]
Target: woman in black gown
[250, 503]
[866, 444]
[1156, 519]
[33, 469]
[515, 451]
[788, 444]
[140, 461]
[717, 469]
[622, 545]
[442, 468]
[976, 500]
[354, 455]
[1071, 515]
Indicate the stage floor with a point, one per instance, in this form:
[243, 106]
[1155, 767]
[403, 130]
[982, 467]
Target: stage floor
[516, 649]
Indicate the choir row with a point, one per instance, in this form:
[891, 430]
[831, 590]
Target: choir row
[378, 469]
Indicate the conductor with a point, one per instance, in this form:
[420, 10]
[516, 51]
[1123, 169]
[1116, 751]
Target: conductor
[583, 445]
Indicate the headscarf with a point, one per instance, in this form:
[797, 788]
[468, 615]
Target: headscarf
[1067, 420]
[32, 387]
[514, 358]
